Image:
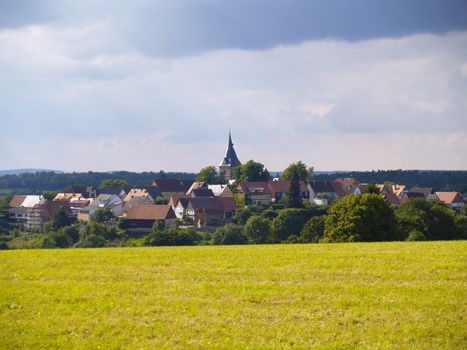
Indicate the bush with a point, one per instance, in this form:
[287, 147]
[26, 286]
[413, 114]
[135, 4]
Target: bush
[56, 239]
[269, 214]
[242, 215]
[257, 229]
[172, 237]
[313, 230]
[288, 222]
[416, 235]
[229, 234]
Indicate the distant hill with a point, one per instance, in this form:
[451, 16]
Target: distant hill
[24, 171]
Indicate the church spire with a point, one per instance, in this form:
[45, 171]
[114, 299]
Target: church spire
[230, 158]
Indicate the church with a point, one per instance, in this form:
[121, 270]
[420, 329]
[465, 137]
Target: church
[230, 163]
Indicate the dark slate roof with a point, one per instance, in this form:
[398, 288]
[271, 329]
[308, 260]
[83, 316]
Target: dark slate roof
[321, 186]
[230, 156]
[172, 185]
[202, 192]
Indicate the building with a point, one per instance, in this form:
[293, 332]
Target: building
[221, 190]
[111, 201]
[166, 188]
[280, 188]
[254, 193]
[142, 217]
[229, 165]
[453, 199]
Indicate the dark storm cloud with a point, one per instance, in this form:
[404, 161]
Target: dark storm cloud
[171, 28]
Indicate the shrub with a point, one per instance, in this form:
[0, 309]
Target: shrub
[313, 230]
[257, 229]
[288, 222]
[229, 234]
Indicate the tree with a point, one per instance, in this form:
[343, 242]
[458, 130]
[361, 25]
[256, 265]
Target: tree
[288, 222]
[304, 173]
[294, 199]
[229, 234]
[252, 171]
[372, 187]
[49, 195]
[313, 230]
[257, 229]
[172, 237]
[159, 200]
[208, 175]
[434, 220]
[365, 217]
[102, 215]
[242, 215]
[60, 219]
[113, 183]
[4, 220]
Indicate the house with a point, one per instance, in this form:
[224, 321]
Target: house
[45, 211]
[121, 192]
[135, 201]
[84, 191]
[206, 211]
[221, 190]
[142, 217]
[138, 192]
[279, 189]
[407, 196]
[453, 199]
[77, 204]
[387, 192]
[20, 207]
[111, 201]
[321, 192]
[254, 193]
[426, 191]
[196, 185]
[68, 196]
[170, 187]
[202, 192]
[180, 206]
[230, 163]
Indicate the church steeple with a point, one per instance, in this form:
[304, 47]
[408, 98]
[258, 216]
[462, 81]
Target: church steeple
[230, 162]
[230, 155]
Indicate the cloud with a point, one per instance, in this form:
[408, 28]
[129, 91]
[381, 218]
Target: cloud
[81, 99]
[184, 27]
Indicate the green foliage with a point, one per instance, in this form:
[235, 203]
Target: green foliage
[209, 175]
[57, 239]
[372, 188]
[49, 195]
[172, 237]
[159, 200]
[102, 215]
[433, 219]
[415, 235]
[252, 171]
[61, 219]
[269, 214]
[229, 234]
[242, 215]
[294, 199]
[5, 225]
[240, 200]
[257, 229]
[366, 217]
[304, 173]
[113, 183]
[288, 222]
[313, 230]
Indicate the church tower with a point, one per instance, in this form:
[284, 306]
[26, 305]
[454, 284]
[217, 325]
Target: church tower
[230, 163]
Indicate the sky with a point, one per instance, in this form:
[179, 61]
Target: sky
[147, 85]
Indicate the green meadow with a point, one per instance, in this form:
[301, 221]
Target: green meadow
[404, 295]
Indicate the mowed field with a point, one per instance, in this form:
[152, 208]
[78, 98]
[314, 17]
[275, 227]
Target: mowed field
[324, 296]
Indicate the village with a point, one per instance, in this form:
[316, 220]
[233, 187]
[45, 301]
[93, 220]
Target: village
[197, 203]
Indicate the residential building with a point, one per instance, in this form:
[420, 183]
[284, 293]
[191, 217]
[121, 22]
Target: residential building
[254, 193]
[453, 199]
[322, 192]
[111, 201]
[142, 217]
[170, 187]
[221, 190]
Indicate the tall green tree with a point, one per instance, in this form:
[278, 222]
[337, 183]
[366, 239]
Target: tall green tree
[61, 219]
[113, 183]
[229, 234]
[294, 199]
[252, 171]
[304, 173]
[431, 220]
[365, 217]
[372, 187]
[208, 174]
[288, 222]
[4, 220]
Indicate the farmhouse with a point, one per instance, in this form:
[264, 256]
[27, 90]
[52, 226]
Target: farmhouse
[142, 217]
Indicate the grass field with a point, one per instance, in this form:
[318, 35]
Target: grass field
[341, 296]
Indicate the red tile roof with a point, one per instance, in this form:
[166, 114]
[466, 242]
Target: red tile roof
[449, 197]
